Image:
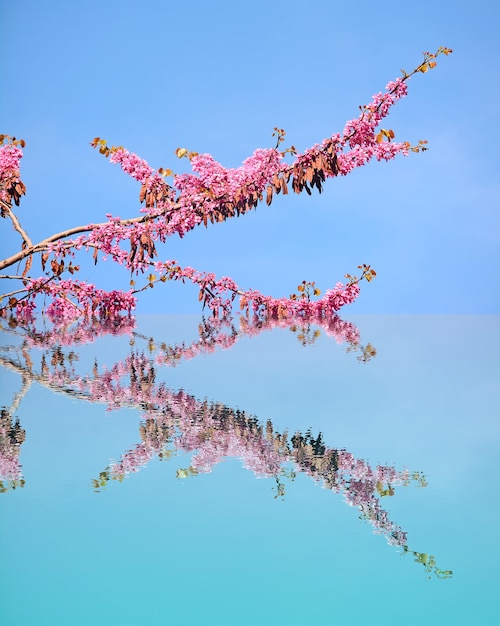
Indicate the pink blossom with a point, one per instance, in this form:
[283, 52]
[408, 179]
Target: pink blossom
[131, 164]
[10, 157]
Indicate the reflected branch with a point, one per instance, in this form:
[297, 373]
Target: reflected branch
[175, 421]
[56, 368]
[214, 333]
[11, 438]
[213, 432]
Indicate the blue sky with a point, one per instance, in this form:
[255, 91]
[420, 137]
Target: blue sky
[218, 77]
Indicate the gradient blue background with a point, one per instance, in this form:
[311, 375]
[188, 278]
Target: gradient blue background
[217, 77]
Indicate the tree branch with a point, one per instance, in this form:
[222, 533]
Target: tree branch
[46, 243]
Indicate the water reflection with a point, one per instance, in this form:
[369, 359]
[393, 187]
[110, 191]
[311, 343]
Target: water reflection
[174, 421]
[11, 438]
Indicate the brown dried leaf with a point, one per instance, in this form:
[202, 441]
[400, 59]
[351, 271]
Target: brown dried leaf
[269, 195]
[29, 262]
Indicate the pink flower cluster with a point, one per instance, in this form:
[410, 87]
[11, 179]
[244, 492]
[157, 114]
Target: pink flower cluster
[215, 183]
[359, 134]
[71, 299]
[132, 164]
[219, 295]
[323, 308]
[10, 157]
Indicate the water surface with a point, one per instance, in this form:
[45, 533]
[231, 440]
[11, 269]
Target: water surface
[278, 476]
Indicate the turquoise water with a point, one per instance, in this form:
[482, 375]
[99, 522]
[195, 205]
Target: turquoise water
[266, 483]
